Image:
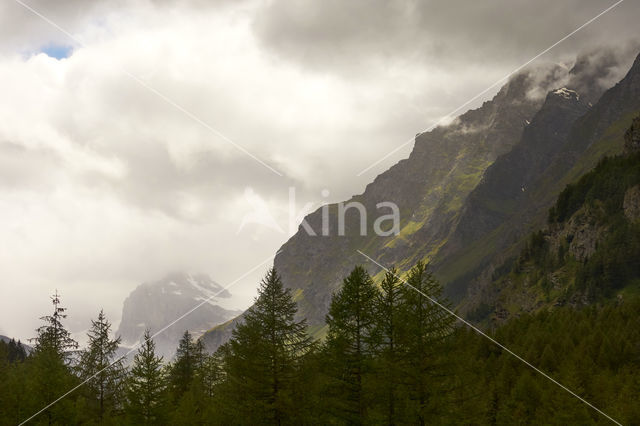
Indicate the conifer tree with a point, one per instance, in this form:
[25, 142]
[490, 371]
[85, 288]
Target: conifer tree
[103, 371]
[53, 336]
[146, 385]
[218, 388]
[188, 359]
[49, 374]
[211, 374]
[350, 342]
[202, 375]
[424, 333]
[13, 392]
[387, 329]
[265, 352]
[201, 403]
[15, 351]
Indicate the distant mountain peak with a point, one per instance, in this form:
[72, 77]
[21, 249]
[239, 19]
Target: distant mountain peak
[192, 282]
[154, 305]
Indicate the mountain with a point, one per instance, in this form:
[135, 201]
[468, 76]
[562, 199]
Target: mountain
[154, 305]
[589, 250]
[470, 191]
[508, 181]
[428, 187]
[517, 190]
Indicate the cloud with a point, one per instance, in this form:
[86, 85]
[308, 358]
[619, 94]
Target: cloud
[22, 31]
[599, 68]
[361, 33]
[104, 185]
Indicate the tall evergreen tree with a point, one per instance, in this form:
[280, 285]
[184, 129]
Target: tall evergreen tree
[15, 351]
[188, 359]
[265, 352]
[49, 374]
[146, 385]
[53, 335]
[424, 333]
[211, 374]
[101, 369]
[350, 342]
[13, 392]
[387, 329]
[203, 401]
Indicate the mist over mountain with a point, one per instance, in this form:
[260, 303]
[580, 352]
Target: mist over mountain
[498, 214]
[155, 305]
[471, 191]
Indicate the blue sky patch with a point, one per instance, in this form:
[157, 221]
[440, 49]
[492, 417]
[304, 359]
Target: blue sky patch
[57, 51]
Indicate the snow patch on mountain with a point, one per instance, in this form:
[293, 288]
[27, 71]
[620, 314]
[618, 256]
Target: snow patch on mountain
[567, 93]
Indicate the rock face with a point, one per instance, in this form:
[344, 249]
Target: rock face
[587, 252]
[154, 305]
[632, 137]
[509, 180]
[632, 204]
[583, 232]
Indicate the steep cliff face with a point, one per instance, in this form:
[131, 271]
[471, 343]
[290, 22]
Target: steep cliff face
[505, 184]
[631, 203]
[632, 137]
[497, 215]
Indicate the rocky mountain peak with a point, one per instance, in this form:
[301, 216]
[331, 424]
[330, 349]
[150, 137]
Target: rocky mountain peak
[154, 305]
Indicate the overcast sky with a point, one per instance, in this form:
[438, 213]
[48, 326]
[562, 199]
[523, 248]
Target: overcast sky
[105, 184]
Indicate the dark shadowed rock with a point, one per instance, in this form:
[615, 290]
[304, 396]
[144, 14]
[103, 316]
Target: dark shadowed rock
[632, 137]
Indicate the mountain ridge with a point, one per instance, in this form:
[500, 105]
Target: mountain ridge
[597, 133]
[433, 186]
